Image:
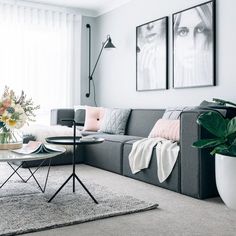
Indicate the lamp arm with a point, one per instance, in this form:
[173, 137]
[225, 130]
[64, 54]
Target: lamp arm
[99, 55]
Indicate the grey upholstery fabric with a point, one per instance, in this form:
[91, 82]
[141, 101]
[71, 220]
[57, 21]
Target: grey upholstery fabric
[80, 116]
[150, 175]
[57, 116]
[205, 103]
[223, 110]
[107, 155]
[62, 159]
[193, 173]
[28, 137]
[197, 165]
[173, 113]
[141, 121]
[114, 121]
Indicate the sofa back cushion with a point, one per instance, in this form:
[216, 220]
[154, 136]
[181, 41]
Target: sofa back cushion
[141, 121]
[168, 129]
[173, 113]
[93, 118]
[114, 121]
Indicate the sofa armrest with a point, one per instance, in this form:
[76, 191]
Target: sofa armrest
[57, 115]
[197, 165]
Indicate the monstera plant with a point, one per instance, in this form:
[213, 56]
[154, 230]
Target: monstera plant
[224, 131]
[223, 146]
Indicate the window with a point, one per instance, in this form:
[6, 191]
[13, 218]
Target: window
[39, 54]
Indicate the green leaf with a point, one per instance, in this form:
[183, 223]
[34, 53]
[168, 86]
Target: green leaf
[222, 149]
[231, 127]
[233, 142]
[232, 150]
[214, 122]
[203, 143]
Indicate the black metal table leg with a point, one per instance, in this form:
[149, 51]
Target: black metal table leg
[60, 188]
[15, 171]
[86, 189]
[40, 165]
[74, 146]
[32, 175]
[73, 175]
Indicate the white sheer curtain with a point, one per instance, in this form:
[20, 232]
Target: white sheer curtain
[39, 48]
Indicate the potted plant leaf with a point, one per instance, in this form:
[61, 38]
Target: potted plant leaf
[223, 146]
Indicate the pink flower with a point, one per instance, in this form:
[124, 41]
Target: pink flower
[6, 103]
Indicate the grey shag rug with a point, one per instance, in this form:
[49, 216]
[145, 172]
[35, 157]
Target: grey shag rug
[25, 209]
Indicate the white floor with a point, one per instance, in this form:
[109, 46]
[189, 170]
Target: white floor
[177, 214]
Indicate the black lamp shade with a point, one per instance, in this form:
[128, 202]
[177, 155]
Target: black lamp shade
[109, 44]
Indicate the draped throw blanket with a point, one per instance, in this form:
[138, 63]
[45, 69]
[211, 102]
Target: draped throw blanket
[166, 154]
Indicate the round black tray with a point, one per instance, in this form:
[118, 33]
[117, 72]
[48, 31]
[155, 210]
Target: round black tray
[69, 140]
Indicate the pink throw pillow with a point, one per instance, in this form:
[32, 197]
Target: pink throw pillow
[168, 129]
[93, 118]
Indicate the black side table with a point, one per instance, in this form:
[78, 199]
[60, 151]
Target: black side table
[73, 140]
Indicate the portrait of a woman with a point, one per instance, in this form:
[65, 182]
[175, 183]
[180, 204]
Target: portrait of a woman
[193, 46]
[151, 52]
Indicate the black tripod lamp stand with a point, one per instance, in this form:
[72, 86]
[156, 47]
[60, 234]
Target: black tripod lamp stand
[106, 44]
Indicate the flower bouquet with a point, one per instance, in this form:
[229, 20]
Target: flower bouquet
[15, 112]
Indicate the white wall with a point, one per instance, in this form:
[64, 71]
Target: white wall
[115, 77]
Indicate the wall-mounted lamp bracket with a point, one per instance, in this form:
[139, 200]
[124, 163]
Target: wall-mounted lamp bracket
[107, 44]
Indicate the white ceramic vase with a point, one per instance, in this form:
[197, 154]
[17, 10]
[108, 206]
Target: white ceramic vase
[225, 170]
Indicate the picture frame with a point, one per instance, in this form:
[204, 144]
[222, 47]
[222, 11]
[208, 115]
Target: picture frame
[193, 42]
[152, 55]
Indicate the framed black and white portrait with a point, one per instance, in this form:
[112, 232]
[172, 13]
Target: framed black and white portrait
[151, 55]
[194, 46]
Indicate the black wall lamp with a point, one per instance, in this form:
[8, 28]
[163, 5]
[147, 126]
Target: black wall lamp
[106, 44]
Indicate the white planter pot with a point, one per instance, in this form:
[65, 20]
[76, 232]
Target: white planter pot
[225, 170]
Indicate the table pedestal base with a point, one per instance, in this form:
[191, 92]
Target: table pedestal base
[71, 141]
[74, 177]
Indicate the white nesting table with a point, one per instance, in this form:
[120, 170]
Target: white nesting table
[9, 156]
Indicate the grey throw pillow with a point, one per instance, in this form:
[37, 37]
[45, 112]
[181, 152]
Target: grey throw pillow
[205, 103]
[80, 116]
[173, 113]
[214, 106]
[114, 121]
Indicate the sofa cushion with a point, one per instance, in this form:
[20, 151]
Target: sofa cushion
[109, 154]
[149, 175]
[106, 155]
[173, 113]
[114, 121]
[141, 121]
[168, 129]
[93, 117]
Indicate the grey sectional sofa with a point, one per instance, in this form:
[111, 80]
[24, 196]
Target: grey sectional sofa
[193, 174]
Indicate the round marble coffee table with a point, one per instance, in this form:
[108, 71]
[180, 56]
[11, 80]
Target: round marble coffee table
[9, 156]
